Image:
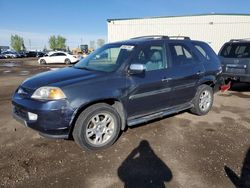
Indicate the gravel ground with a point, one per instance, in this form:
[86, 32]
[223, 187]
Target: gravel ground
[177, 151]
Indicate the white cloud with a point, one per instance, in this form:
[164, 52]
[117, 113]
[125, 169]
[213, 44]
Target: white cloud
[39, 40]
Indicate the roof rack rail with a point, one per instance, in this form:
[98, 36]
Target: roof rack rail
[238, 40]
[162, 36]
[151, 36]
[177, 37]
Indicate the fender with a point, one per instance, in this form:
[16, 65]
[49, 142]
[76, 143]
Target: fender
[209, 79]
[116, 103]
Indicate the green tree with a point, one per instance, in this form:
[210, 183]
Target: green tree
[52, 42]
[23, 47]
[100, 42]
[61, 43]
[17, 43]
[57, 43]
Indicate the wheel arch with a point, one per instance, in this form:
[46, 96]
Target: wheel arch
[117, 104]
[210, 81]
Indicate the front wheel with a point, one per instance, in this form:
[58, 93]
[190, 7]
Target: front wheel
[67, 61]
[203, 100]
[43, 62]
[97, 127]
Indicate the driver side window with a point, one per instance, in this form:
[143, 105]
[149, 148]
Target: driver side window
[152, 57]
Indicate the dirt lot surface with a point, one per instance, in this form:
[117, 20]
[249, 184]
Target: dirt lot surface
[178, 151]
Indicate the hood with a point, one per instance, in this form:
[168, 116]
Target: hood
[58, 77]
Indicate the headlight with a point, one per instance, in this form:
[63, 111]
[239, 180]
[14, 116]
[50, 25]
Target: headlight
[48, 93]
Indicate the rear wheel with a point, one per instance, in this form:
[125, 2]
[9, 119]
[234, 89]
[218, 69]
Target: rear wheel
[67, 61]
[203, 100]
[43, 62]
[97, 127]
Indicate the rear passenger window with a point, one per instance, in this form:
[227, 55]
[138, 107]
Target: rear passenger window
[53, 55]
[181, 54]
[206, 52]
[61, 54]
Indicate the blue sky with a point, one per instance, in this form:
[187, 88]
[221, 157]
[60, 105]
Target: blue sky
[84, 20]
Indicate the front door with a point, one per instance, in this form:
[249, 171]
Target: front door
[148, 91]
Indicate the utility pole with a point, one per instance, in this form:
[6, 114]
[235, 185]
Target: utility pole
[30, 44]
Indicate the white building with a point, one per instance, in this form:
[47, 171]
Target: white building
[215, 29]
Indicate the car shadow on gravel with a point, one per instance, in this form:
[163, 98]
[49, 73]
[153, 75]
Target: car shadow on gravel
[143, 168]
[244, 180]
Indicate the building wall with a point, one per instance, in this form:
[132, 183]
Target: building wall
[213, 29]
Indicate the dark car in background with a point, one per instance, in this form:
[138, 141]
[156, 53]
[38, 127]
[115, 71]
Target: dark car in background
[2, 56]
[22, 54]
[235, 60]
[35, 54]
[120, 84]
[31, 54]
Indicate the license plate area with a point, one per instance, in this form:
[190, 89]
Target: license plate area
[237, 69]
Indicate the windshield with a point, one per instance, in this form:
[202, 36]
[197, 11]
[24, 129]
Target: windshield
[107, 58]
[236, 50]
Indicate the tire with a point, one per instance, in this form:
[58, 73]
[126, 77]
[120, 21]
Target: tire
[91, 134]
[43, 62]
[67, 61]
[203, 100]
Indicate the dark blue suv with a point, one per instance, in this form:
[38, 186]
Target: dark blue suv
[120, 84]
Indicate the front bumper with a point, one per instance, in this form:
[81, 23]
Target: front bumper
[54, 117]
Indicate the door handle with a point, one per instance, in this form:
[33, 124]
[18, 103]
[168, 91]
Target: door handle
[166, 79]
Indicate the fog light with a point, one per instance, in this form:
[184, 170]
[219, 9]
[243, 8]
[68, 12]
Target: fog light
[32, 116]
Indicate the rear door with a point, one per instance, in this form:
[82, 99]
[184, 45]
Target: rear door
[185, 72]
[57, 57]
[61, 57]
[148, 92]
[210, 60]
[52, 58]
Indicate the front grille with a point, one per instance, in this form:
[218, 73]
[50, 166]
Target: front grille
[20, 112]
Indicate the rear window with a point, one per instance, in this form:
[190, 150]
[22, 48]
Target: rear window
[236, 50]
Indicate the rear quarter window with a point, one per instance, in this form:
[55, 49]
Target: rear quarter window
[206, 52]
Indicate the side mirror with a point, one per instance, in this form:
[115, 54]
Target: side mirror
[137, 68]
